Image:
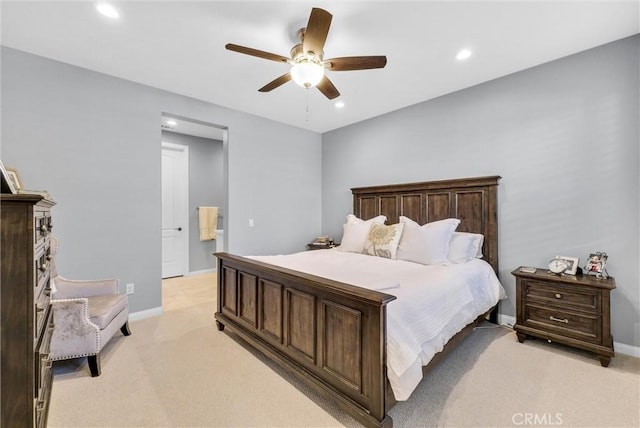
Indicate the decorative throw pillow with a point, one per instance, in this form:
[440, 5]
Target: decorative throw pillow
[356, 231]
[427, 244]
[382, 240]
[465, 246]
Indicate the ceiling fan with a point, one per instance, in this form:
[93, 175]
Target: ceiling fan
[307, 62]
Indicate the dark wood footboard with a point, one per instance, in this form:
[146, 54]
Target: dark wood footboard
[329, 334]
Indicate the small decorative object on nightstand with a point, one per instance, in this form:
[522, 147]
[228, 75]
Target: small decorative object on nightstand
[321, 243]
[572, 310]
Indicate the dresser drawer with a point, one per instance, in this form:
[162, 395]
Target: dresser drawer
[42, 359]
[42, 402]
[42, 227]
[562, 295]
[582, 326]
[41, 265]
[41, 311]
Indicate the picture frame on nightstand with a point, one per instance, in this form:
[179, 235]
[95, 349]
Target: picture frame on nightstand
[573, 263]
[596, 264]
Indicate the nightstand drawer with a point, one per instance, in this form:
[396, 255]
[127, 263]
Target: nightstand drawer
[562, 295]
[587, 327]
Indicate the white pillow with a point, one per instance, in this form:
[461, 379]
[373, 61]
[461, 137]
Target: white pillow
[352, 219]
[356, 231]
[382, 240]
[465, 246]
[427, 244]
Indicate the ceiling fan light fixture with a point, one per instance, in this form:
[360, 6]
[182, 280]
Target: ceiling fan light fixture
[307, 73]
[107, 10]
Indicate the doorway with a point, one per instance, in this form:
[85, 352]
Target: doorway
[175, 202]
[205, 184]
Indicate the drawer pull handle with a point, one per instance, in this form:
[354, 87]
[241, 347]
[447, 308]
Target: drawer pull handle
[44, 229]
[552, 318]
[43, 267]
[558, 296]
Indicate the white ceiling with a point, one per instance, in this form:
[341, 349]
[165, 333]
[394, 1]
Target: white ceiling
[179, 46]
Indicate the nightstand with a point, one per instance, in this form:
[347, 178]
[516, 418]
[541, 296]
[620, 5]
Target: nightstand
[568, 309]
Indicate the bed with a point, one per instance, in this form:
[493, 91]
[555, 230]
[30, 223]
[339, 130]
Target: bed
[331, 334]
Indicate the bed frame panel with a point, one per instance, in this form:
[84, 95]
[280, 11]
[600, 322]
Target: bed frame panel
[332, 335]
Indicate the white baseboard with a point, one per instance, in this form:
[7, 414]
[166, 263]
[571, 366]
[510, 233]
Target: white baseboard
[621, 348]
[507, 320]
[201, 272]
[148, 313]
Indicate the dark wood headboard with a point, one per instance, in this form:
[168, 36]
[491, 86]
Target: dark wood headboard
[472, 200]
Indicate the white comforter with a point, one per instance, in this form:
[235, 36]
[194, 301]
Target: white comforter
[433, 302]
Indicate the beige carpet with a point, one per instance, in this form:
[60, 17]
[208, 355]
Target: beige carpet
[177, 370]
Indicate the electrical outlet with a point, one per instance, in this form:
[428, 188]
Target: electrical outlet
[251, 223]
[130, 288]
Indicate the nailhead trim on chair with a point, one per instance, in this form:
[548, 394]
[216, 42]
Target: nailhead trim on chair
[85, 313]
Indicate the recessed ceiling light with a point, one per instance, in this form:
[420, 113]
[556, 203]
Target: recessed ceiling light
[107, 10]
[339, 104]
[463, 54]
[171, 122]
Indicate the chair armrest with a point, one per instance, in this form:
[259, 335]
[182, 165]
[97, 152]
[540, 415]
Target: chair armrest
[69, 289]
[74, 335]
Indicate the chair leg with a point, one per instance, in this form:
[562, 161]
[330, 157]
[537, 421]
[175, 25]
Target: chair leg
[94, 364]
[125, 329]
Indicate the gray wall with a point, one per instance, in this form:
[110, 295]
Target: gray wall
[564, 137]
[206, 188]
[93, 141]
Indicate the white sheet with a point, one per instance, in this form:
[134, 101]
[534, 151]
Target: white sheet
[433, 302]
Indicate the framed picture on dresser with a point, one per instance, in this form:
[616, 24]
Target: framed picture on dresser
[7, 180]
[15, 178]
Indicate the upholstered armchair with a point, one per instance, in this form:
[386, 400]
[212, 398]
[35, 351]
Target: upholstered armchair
[86, 315]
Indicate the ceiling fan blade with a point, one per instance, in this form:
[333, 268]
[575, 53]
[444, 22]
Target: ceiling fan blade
[256, 52]
[326, 87]
[316, 32]
[355, 63]
[276, 82]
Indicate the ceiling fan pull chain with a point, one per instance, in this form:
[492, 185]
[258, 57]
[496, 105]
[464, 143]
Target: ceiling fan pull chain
[306, 114]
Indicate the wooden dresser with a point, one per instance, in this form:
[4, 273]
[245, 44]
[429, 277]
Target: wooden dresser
[25, 224]
[568, 309]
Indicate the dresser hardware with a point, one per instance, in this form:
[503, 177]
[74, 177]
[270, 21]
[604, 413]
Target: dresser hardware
[558, 296]
[44, 229]
[552, 318]
[44, 267]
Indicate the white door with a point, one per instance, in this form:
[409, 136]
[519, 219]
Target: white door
[175, 211]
